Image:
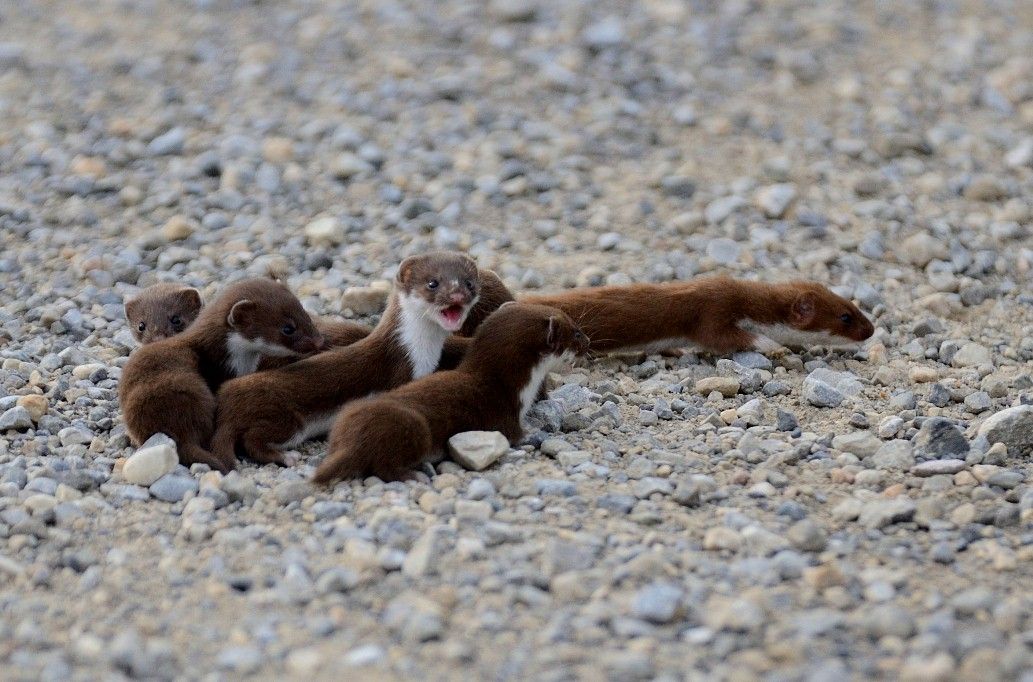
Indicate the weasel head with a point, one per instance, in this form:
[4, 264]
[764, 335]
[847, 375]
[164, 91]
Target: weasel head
[548, 330]
[443, 286]
[161, 311]
[265, 316]
[817, 311]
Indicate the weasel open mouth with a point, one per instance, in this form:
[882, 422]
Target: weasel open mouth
[452, 316]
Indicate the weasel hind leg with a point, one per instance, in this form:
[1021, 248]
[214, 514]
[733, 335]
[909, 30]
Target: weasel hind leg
[191, 453]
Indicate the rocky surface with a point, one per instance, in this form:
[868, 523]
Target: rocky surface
[817, 515]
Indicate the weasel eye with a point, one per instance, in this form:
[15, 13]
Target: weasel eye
[141, 327]
[433, 284]
[469, 284]
[288, 329]
[846, 318]
[176, 321]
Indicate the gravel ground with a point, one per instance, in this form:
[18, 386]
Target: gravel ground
[837, 515]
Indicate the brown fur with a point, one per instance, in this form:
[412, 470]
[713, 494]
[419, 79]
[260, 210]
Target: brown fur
[271, 408]
[390, 434]
[162, 310]
[705, 311]
[168, 386]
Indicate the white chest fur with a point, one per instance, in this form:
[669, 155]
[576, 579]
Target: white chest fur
[529, 393]
[420, 334]
[771, 336]
[243, 354]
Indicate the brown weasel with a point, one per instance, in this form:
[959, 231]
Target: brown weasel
[169, 386]
[268, 412]
[718, 314]
[162, 310]
[492, 389]
[166, 309]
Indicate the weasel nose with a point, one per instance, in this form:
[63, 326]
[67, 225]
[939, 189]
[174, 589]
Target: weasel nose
[457, 297]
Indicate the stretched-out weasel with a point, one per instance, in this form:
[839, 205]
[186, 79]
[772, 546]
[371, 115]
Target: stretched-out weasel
[718, 314]
[387, 435]
[268, 412]
[169, 386]
[162, 310]
[166, 309]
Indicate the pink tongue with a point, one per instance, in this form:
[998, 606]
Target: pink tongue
[452, 313]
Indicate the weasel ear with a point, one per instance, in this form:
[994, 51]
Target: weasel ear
[191, 299]
[131, 307]
[403, 270]
[804, 308]
[241, 313]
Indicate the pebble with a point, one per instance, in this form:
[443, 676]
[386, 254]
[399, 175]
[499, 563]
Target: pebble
[17, 418]
[726, 386]
[773, 200]
[1012, 426]
[828, 388]
[35, 405]
[937, 467]
[173, 488]
[324, 231]
[477, 450]
[657, 603]
[939, 438]
[972, 355]
[807, 536]
[150, 462]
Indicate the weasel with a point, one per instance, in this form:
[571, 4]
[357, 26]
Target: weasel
[162, 310]
[492, 389]
[271, 411]
[166, 309]
[169, 386]
[718, 314]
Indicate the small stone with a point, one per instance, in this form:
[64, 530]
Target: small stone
[894, 455]
[828, 388]
[941, 439]
[292, 491]
[169, 143]
[173, 488]
[414, 617]
[921, 248]
[149, 463]
[365, 300]
[786, 421]
[178, 227]
[878, 513]
[477, 450]
[978, 402]
[938, 467]
[726, 386]
[860, 443]
[658, 603]
[426, 552]
[920, 374]
[608, 32]
[773, 200]
[1012, 426]
[35, 405]
[325, 231]
[972, 355]
[807, 535]
[723, 250]
[16, 419]
[1006, 479]
[722, 538]
[348, 165]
